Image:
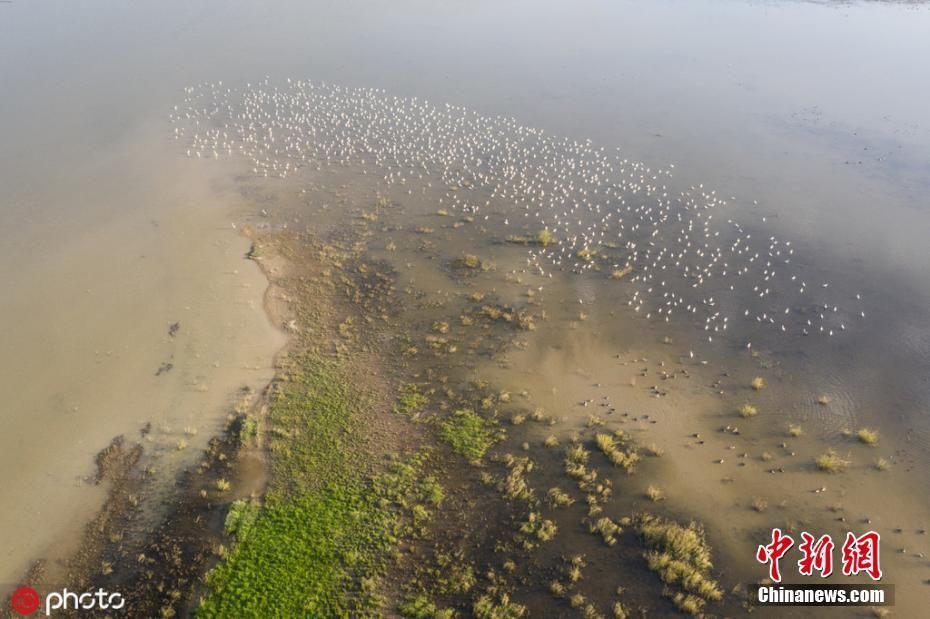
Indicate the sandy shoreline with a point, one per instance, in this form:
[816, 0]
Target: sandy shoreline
[88, 364]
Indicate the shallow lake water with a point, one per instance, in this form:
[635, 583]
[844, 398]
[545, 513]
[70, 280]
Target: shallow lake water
[808, 118]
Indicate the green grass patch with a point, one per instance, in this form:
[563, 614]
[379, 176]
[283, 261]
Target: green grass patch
[241, 517]
[411, 400]
[320, 545]
[303, 557]
[469, 434]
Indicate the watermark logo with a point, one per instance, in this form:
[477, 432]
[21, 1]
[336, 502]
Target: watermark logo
[859, 554]
[25, 601]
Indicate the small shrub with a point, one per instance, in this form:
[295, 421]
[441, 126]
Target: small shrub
[795, 430]
[748, 410]
[758, 383]
[654, 494]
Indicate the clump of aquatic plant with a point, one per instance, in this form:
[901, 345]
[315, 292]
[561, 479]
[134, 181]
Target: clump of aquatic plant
[610, 448]
[795, 430]
[471, 261]
[867, 436]
[757, 383]
[432, 491]
[249, 430]
[410, 400]
[546, 530]
[881, 464]
[607, 529]
[559, 498]
[621, 273]
[551, 441]
[748, 410]
[831, 462]
[418, 606]
[681, 557]
[514, 484]
[576, 458]
[499, 606]
[654, 494]
[545, 237]
[574, 569]
[655, 451]
[618, 611]
[468, 433]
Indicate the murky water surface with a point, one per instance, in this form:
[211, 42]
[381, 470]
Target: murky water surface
[762, 168]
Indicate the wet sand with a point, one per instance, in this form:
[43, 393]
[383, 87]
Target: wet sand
[90, 327]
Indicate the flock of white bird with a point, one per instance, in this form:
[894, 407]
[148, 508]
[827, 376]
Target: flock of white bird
[685, 253]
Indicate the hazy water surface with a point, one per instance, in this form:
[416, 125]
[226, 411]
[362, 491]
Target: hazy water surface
[815, 111]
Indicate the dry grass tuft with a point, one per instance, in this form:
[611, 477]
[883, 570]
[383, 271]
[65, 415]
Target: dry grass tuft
[867, 436]
[654, 494]
[831, 462]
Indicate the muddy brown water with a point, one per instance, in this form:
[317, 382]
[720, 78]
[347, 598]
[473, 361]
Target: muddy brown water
[814, 110]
